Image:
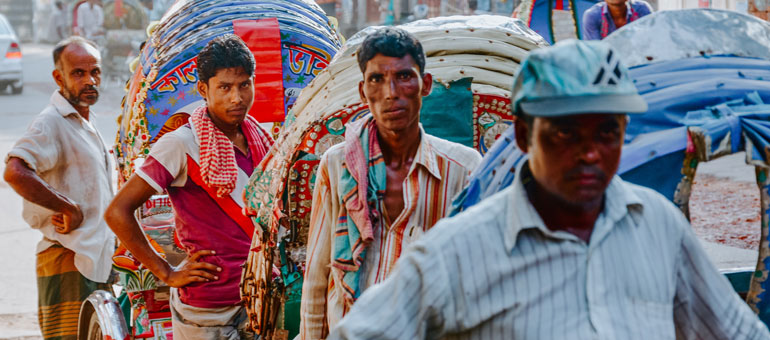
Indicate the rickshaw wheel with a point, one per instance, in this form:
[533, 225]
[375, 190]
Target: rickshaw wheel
[94, 329]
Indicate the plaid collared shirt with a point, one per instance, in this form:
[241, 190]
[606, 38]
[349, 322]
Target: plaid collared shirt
[439, 171]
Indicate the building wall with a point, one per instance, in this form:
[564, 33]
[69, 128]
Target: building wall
[733, 5]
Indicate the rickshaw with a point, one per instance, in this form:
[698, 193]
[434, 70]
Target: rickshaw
[292, 41]
[124, 30]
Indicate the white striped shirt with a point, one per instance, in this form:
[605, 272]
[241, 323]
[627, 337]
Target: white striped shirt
[439, 171]
[643, 275]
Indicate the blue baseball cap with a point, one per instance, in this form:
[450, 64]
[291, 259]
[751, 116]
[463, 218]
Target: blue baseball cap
[575, 77]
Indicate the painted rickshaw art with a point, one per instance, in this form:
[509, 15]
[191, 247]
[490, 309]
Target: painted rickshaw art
[292, 41]
[472, 60]
[705, 75]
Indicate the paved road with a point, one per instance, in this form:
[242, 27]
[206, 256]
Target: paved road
[18, 299]
[733, 167]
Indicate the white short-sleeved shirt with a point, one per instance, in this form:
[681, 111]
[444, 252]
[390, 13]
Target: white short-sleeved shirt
[90, 19]
[67, 152]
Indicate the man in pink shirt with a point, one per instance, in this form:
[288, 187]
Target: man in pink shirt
[204, 166]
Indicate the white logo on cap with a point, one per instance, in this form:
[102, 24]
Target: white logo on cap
[609, 72]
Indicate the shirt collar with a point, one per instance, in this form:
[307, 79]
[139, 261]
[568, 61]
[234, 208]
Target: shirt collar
[606, 10]
[426, 156]
[619, 201]
[192, 128]
[62, 105]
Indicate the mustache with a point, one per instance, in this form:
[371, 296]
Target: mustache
[89, 88]
[586, 170]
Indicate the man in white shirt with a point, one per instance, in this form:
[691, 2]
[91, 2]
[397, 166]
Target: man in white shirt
[57, 27]
[569, 250]
[62, 170]
[90, 20]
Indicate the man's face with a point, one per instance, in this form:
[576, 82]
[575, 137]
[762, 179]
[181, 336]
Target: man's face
[615, 2]
[393, 89]
[574, 157]
[229, 95]
[79, 74]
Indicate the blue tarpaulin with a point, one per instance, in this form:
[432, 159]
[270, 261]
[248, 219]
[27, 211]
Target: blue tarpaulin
[719, 95]
[699, 109]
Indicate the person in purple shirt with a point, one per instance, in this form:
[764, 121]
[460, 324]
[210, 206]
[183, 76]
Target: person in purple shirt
[605, 17]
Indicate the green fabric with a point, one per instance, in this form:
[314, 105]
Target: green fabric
[293, 282]
[125, 308]
[292, 308]
[363, 162]
[448, 112]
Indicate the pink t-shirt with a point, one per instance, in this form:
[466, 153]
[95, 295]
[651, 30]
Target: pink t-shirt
[200, 222]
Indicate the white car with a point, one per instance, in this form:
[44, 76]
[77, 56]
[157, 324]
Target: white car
[10, 58]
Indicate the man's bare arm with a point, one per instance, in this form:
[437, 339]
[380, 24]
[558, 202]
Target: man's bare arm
[32, 188]
[120, 217]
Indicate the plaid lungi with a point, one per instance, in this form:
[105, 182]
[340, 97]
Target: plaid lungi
[61, 289]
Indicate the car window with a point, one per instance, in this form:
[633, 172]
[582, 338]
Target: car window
[4, 27]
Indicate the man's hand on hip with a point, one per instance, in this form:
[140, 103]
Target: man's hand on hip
[193, 271]
[68, 220]
[26, 182]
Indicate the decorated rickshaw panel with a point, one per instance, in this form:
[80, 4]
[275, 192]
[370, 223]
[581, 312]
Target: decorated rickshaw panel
[491, 117]
[163, 90]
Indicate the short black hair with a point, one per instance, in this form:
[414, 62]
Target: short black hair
[60, 46]
[226, 51]
[390, 42]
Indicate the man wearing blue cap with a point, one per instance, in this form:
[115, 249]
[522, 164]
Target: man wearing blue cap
[569, 250]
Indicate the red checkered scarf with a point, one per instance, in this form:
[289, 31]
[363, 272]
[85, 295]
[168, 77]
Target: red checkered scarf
[217, 155]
